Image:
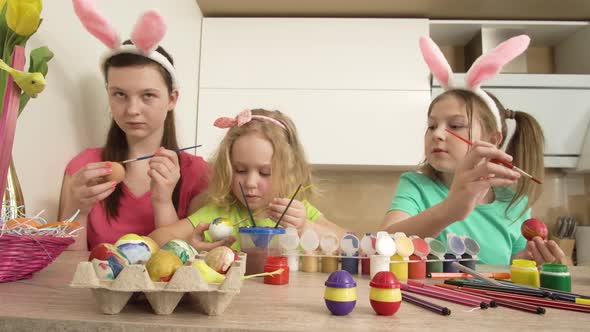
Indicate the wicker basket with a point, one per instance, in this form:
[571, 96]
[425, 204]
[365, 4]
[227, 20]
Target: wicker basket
[23, 255]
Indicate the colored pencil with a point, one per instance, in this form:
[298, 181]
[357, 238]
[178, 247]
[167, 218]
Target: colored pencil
[426, 304]
[449, 275]
[497, 161]
[444, 296]
[450, 291]
[564, 305]
[505, 289]
[153, 155]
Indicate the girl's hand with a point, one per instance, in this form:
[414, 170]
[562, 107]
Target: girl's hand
[89, 186]
[295, 215]
[164, 173]
[542, 251]
[474, 177]
[198, 239]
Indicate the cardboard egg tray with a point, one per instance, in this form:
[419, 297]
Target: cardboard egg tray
[112, 295]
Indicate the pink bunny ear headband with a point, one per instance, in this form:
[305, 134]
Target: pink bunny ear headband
[147, 34]
[484, 68]
[244, 117]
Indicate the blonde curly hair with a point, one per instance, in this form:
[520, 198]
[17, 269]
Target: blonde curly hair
[289, 165]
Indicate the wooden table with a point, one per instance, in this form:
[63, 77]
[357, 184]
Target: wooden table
[45, 302]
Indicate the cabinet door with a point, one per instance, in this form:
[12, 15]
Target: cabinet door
[313, 53]
[359, 128]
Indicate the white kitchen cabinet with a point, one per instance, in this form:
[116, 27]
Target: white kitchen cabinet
[344, 128]
[313, 53]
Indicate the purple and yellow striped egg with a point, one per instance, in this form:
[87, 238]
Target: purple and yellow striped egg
[385, 294]
[340, 293]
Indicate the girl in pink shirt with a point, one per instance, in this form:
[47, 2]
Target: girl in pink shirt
[142, 94]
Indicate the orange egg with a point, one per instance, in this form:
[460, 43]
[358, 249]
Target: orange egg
[118, 173]
[22, 222]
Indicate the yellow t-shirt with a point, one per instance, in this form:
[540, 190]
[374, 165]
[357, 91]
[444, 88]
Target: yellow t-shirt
[209, 212]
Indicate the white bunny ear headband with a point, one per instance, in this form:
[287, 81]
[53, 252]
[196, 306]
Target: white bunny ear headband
[484, 68]
[147, 34]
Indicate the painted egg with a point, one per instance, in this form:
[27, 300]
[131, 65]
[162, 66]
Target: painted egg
[151, 244]
[103, 269]
[162, 265]
[385, 295]
[134, 247]
[221, 258]
[118, 173]
[340, 293]
[220, 228]
[534, 227]
[180, 248]
[107, 252]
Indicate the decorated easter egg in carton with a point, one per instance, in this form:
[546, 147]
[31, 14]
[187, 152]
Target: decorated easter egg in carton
[135, 248]
[212, 296]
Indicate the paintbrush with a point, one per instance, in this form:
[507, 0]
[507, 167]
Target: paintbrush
[247, 205]
[497, 161]
[266, 208]
[153, 155]
[287, 208]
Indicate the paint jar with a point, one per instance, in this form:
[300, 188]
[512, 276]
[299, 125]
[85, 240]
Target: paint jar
[340, 294]
[435, 256]
[471, 251]
[417, 266]
[329, 264]
[349, 245]
[309, 242]
[399, 266]
[448, 263]
[367, 249]
[259, 243]
[365, 266]
[556, 276]
[524, 272]
[379, 263]
[385, 295]
[289, 242]
[310, 263]
[274, 263]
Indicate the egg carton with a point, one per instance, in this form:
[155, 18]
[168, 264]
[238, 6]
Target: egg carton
[112, 295]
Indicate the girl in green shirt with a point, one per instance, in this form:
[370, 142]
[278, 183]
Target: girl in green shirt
[262, 152]
[459, 189]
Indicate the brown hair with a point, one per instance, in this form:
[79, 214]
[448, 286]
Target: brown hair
[525, 146]
[116, 148]
[289, 166]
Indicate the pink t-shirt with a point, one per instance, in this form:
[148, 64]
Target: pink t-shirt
[136, 214]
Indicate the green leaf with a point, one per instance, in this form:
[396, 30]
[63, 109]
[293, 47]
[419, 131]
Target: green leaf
[38, 60]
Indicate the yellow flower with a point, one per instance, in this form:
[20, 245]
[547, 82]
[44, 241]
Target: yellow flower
[23, 16]
[2, 3]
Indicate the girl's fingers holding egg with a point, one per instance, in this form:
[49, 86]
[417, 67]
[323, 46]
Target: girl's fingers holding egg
[98, 189]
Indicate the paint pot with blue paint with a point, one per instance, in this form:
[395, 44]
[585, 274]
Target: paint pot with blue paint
[456, 248]
[340, 293]
[350, 249]
[471, 251]
[436, 254]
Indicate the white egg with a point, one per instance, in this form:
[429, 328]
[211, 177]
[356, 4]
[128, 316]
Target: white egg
[220, 229]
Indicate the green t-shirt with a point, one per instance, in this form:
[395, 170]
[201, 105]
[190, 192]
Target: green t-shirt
[497, 233]
[211, 211]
